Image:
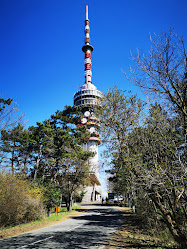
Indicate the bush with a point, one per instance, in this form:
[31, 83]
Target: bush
[20, 202]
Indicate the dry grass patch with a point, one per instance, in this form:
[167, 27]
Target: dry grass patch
[23, 228]
[131, 235]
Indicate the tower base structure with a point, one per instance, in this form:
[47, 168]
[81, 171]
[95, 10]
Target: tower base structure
[92, 193]
[88, 97]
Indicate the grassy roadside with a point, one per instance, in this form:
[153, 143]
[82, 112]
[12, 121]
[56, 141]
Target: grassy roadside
[47, 221]
[131, 235]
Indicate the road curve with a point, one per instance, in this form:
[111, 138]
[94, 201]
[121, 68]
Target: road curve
[88, 230]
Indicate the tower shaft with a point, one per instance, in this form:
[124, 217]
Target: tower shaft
[87, 97]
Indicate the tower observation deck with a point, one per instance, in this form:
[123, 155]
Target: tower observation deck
[87, 97]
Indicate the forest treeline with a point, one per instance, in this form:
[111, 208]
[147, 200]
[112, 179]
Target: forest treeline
[146, 143]
[41, 166]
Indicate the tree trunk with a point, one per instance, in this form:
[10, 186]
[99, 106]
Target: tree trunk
[25, 167]
[176, 232]
[68, 205]
[49, 209]
[69, 202]
[174, 229]
[72, 200]
[12, 162]
[60, 204]
[37, 162]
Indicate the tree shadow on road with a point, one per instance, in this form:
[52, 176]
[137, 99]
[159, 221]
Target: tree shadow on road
[99, 225]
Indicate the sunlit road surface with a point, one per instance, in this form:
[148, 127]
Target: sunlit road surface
[89, 230]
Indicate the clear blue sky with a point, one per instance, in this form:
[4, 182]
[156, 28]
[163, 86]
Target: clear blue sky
[41, 60]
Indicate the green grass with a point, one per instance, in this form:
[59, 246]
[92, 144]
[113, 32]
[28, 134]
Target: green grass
[59, 215]
[63, 213]
[47, 221]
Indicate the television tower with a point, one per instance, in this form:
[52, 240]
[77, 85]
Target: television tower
[87, 97]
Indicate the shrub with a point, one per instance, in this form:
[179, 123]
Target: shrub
[20, 201]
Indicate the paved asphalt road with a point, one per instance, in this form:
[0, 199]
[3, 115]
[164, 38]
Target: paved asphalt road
[89, 230]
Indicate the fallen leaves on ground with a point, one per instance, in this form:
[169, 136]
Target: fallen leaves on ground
[131, 235]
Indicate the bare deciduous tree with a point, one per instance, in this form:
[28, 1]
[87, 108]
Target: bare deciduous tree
[163, 72]
[9, 115]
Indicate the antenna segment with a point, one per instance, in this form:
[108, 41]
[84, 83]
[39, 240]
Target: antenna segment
[86, 12]
[87, 49]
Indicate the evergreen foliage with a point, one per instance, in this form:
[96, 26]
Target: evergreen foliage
[49, 153]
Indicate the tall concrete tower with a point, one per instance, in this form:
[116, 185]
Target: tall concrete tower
[87, 97]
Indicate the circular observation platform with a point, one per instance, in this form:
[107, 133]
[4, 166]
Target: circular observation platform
[88, 95]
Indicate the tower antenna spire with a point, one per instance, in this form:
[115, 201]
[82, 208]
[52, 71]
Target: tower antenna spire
[86, 12]
[87, 49]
